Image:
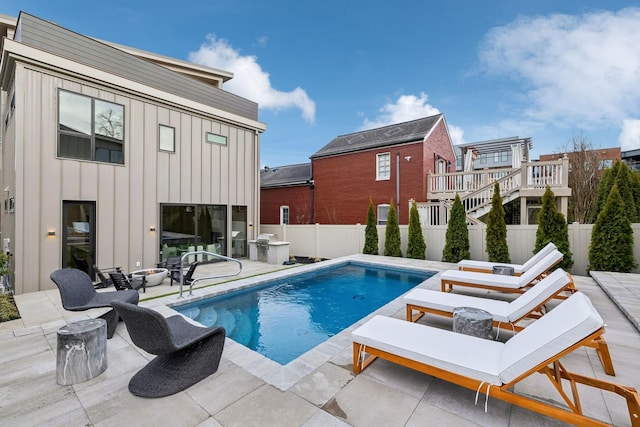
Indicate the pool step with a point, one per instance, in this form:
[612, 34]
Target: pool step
[244, 330]
[227, 321]
[208, 316]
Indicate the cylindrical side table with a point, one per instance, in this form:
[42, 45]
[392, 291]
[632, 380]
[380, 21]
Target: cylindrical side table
[473, 321]
[82, 351]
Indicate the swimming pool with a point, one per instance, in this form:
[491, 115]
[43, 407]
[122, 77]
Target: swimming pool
[284, 318]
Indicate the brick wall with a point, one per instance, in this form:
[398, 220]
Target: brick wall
[297, 198]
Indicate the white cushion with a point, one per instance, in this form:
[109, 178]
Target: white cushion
[491, 361]
[571, 321]
[538, 294]
[538, 256]
[499, 280]
[486, 265]
[446, 301]
[517, 268]
[540, 267]
[485, 279]
[463, 354]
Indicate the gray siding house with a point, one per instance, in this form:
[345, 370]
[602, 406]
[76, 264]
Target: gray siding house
[117, 157]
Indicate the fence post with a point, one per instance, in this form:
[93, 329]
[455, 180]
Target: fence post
[317, 240]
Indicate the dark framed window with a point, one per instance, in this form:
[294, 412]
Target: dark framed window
[214, 138]
[90, 128]
[167, 138]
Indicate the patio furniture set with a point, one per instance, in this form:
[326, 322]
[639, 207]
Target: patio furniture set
[541, 337]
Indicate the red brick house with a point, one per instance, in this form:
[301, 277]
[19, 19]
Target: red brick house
[286, 195]
[385, 164]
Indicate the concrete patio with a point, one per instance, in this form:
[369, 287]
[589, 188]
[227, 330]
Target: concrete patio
[317, 389]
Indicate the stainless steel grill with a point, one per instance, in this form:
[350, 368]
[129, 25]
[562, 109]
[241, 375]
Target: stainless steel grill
[262, 243]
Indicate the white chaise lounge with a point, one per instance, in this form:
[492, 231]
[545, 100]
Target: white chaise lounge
[499, 282]
[493, 367]
[518, 269]
[505, 314]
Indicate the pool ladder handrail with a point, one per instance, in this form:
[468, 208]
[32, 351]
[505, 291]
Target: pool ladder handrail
[205, 278]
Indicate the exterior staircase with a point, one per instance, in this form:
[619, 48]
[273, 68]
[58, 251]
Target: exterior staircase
[476, 188]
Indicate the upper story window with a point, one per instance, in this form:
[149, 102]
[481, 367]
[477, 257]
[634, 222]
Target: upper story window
[383, 166]
[501, 157]
[214, 138]
[90, 128]
[284, 214]
[383, 213]
[167, 138]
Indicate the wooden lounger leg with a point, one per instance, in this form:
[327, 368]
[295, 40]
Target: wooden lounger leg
[360, 358]
[602, 349]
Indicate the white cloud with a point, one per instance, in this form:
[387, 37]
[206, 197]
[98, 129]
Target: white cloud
[577, 70]
[630, 136]
[456, 134]
[405, 108]
[250, 80]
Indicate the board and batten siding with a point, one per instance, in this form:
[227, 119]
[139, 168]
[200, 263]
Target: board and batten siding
[127, 196]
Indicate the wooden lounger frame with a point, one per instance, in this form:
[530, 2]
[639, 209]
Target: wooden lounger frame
[483, 270]
[600, 344]
[552, 368]
[447, 285]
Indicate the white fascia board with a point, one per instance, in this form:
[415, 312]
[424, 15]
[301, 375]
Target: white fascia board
[46, 59]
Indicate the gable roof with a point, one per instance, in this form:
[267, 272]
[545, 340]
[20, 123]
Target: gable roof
[400, 133]
[285, 175]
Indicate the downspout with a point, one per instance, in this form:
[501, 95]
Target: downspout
[398, 185]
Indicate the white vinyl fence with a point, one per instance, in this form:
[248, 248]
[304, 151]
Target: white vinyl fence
[333, 241]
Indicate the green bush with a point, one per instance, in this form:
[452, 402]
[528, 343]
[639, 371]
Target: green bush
[8, 309]
[371, 232]
[604, 187]
[611, 247]
[497, 230]
[552, 227]
[416, 246]
[392, 234]
[456, 246]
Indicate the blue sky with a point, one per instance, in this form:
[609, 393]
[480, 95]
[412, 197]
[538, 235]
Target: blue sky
[547, 69]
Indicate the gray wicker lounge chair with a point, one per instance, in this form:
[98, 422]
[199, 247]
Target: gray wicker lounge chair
[186, 353]
[77, 294]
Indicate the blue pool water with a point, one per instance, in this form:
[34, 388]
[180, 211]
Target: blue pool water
[285, 318]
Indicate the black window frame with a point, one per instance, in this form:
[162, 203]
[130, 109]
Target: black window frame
[114, 156]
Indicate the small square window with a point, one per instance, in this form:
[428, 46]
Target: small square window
[214, 138]
[167, 138]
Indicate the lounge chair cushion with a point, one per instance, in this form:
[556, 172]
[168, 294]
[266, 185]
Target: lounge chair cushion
[502, 311]
[446, 302]
[538, 294]
[517, 268]
[485, 360]
[571, 321]
[436, 347]
[498, 280]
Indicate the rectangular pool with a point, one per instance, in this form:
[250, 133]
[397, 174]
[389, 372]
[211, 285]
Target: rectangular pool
[284, 318]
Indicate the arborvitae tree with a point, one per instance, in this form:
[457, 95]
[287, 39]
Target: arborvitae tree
[416, 246]
[625, 187]
[635, 188]
[552, 227]
[392, 234]
[497, 230]
[371, 232]
[604, 187]
[611, 246]
[456, 247]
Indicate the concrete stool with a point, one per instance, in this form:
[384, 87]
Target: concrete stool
[82, 351]
[503, 269]
[473, 321]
